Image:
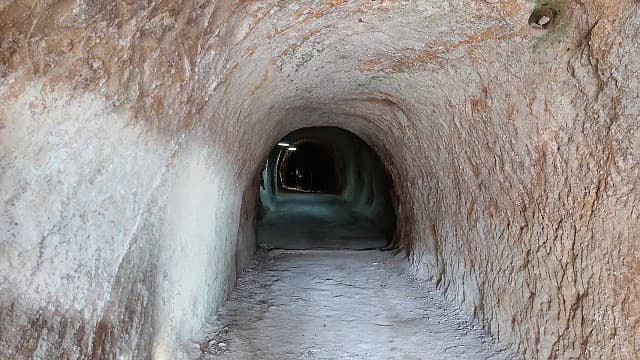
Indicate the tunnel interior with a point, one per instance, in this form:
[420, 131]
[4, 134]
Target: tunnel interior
[308, 167]
[324, 188]
[133, 135]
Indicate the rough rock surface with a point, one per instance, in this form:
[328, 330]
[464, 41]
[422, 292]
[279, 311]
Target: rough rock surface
[132, 134]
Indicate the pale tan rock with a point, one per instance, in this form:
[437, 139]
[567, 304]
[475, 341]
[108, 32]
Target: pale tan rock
[132, 133]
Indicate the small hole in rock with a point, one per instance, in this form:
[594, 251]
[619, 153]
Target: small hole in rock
[541, 18]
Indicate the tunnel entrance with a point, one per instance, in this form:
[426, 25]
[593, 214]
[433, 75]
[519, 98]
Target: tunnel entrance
[324, 188]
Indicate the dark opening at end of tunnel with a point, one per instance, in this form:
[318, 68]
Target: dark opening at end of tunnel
[324, 188]
[309, 167]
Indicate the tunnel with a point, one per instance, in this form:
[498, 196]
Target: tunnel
[324, 188]
[475, 187]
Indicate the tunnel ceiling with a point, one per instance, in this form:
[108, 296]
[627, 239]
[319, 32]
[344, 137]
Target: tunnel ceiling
[512, 141]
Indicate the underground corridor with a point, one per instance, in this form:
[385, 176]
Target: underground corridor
[327, 281]
[319, 179]
[324, 188]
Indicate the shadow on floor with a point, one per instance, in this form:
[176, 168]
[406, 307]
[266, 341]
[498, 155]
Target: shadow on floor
[326, 222]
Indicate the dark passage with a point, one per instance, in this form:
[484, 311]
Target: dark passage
[324, 188]
[311, 167]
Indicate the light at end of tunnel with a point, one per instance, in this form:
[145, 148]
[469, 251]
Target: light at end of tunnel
[292, 148]
[283, 144]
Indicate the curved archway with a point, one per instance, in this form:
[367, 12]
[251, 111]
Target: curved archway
[324, 188]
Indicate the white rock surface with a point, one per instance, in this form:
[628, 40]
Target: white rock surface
[340, 305]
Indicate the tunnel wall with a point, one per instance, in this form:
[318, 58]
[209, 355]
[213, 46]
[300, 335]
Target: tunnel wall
[109, 226]
[121, 222]
[513, 152]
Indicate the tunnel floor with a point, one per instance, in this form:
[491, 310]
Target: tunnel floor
[317, 222]
[306, 304]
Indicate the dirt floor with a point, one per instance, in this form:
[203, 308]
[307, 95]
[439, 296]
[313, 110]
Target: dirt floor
[317, 304]
[318, 221]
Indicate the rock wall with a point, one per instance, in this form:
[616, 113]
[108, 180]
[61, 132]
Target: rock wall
[120, 218]
[132, 133]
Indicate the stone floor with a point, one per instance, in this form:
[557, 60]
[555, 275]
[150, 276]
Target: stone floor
[311, 304]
